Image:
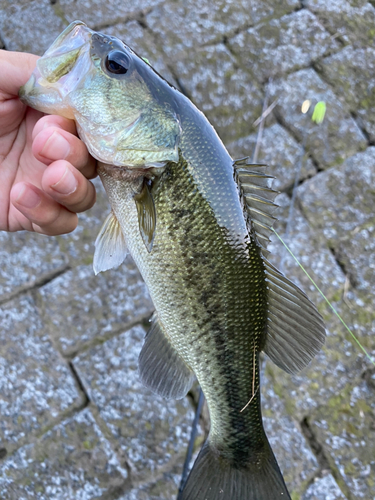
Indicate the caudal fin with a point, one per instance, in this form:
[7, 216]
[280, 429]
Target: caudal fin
[214, 478]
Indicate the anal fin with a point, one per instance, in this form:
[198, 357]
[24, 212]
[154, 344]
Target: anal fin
[161, 368]
[295, 329]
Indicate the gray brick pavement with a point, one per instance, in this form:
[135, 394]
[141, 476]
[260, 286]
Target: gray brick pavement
[75, 422]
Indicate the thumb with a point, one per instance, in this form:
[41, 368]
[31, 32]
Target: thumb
[16, 69]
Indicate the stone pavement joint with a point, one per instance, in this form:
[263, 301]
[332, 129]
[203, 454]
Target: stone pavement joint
[142, 320]
[34, 284]
[316, 447]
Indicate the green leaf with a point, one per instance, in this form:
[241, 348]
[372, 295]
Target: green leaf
[319, 112]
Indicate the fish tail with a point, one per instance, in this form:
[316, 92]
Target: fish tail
[213, 477]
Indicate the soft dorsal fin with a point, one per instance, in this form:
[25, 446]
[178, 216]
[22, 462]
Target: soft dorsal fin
[161, 368]
[259, 198]
[110, 245]
[295, 329]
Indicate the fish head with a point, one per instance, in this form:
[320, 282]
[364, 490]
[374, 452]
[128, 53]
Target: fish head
[125, 112]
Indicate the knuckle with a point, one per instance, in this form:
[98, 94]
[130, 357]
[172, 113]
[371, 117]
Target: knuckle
[49, 218]
[84, 199]
[66, 223]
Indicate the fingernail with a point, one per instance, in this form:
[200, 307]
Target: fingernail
[67, 184]
[28, 198]
[56, 147]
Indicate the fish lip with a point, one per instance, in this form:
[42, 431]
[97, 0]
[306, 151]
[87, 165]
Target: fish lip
[64, 35]
[75, 37]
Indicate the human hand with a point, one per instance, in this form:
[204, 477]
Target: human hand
[44, 166]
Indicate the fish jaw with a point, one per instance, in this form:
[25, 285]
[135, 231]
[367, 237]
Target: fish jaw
[62, 69]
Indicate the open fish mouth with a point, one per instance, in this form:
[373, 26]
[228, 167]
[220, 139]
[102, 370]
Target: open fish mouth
[61, 70]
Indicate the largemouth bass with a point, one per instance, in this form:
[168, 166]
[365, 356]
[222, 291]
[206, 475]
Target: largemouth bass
[197, 225]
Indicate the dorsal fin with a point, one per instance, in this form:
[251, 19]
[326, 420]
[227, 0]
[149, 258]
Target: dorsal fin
[258, 195]
[295, 329]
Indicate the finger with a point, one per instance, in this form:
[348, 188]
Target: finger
[69, 187]
[54, 143]
[45, 214]
[54, 121]
[16, 68]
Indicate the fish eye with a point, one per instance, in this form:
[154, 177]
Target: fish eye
[117, 62]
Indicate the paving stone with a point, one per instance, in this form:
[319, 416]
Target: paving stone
[36, 385]
[320, 394]
[324, 488]
[221, 90]
[282, 45]
[79, 307]
[149, 433]
[310, 248]
[353, 20]
[73, 460]
[357, 256]
[16, 19]
[183, 25]
[341, 200]
[164, 488]
[97, 14]
[24, 257]
[351, 72]
[279, 151]
[296, 460]
[345, 426]
[142, 42]
[330, 143]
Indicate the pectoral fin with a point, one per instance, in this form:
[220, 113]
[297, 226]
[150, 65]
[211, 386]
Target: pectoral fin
[110, 246]
[295, 329]
[161, 368]
[146, 215]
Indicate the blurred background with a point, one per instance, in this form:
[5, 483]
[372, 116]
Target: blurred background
[75, 421]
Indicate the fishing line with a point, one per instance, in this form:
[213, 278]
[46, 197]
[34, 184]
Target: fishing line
[325, 298]
[294, 194]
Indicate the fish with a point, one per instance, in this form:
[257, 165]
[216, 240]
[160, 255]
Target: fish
[197, 224]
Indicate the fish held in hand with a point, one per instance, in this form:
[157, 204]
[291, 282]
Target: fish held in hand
[197, 224]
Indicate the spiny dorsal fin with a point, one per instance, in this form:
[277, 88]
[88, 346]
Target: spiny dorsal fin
[110, 246]
[161, 368]
[245, 161]
[295, 329]
[259, 197]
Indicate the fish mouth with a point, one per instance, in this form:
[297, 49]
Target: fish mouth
[60, 70]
